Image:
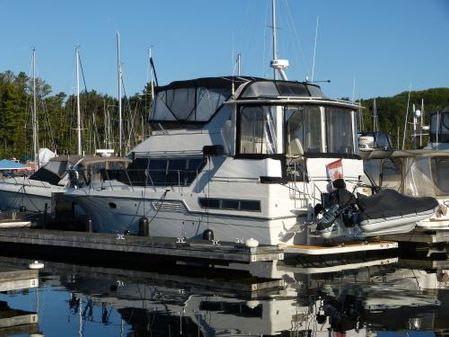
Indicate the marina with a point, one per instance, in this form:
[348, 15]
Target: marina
[222, 199]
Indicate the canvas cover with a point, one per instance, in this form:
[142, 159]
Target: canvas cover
[390, 203]
[7, 165]
[193, 100]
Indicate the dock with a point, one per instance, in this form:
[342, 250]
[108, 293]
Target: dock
[346, 248]
[323, 268]
[16, 321]
[18, 279]
[422, 236]
[143, 246]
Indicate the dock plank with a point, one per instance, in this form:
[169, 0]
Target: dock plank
[347, 247]
[194, 249]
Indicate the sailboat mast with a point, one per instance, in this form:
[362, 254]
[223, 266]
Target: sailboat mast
[119, 93]
[278, 65]
[34, 114]
[273, 32]
[78, 107]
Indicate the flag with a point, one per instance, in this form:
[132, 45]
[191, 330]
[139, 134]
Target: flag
[335, 170]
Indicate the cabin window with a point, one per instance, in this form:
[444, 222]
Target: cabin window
[233, 204]
[304, 128]
[372, 169]
[418, 177]
[320, 129]
[440, 167]
[391, 174]
[163, 172]
[340, 138]
[439, 127]
[260, 132]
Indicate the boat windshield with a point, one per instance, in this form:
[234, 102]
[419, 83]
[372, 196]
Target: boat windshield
[415, 176]
[261, 130]
[439, 127]
[309, 129]
[321, 129]
[440, 169]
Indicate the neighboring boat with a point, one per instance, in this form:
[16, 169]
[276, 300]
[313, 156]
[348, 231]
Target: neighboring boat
[418, 173]
[34, 193]
[439, 130]
[370, 141]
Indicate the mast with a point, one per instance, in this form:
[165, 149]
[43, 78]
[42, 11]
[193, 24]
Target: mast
[239, 68]
[150, 60]
[375, 117]
[273, 34]
[34, 114]
[119, 94]
[78, 107]
[278, 65]
[314, 48]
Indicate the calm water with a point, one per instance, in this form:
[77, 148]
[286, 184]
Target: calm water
[383, 297]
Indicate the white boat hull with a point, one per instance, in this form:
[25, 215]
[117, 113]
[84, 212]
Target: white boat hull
[33, 198]
[174, 220]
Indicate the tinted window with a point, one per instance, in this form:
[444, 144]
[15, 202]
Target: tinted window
[241, 205]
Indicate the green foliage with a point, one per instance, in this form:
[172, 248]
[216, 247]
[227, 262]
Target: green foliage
[392, 112]
[57, 118]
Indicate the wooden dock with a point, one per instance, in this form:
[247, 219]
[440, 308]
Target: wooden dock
[346, 248]
[422, 236]
[214, 252]
[18, 279]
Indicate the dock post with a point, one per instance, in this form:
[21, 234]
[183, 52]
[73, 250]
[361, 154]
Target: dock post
[208, 234]
[44, 225]
[89, 225]
[144, 226]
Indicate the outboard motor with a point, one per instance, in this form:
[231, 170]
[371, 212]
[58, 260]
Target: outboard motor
[328, 218]
[73, 177]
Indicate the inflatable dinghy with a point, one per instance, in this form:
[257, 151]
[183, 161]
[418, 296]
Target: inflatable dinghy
[385, 213]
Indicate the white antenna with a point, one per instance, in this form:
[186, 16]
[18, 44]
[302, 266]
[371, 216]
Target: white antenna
[78, 109]
[237, 65]
[438, 128]
[375, 117]
[314, 47]
[406, 116]
[353, 89]
[421, 123]
[34, 114]
[278, 65]
[150, 56]
[239, 60]
[119, 94]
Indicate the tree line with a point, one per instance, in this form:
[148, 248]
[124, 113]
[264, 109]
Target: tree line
[392, 111]
[57, 118]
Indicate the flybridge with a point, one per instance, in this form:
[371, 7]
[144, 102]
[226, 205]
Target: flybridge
[196, 101]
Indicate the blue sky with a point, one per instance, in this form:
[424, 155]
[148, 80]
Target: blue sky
[383, 46]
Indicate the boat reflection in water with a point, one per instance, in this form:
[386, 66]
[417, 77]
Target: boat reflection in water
[356, 302]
